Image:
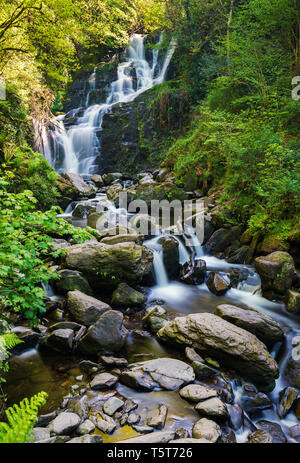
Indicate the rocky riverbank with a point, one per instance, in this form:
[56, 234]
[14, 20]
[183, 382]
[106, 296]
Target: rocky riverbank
[227, 355]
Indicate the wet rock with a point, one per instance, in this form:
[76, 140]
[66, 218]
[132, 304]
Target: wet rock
[105, 426]
[103, 381]
[274, 429]
[293, 302]
[142, 429]
[125, 262]
[276, 271]
[262, 326]
[113, 361]
[113, 192]
[111, 177]
[89, 367]
[193, 272]
[40, 434]
[112, 405]
[240, 256]
[73, 186]
[292, 370]
[129, 405]
[137, 380]
[287, 399]
[87, 439]
[79, 406]
[170, 251]
[212, 408]
[155, 318]
[65, 326]
[64, 423]
[297, 409]
[59, 340]
[107, 335]
[133, 418]
[221, 239]
[86, 427]
[203, 371]
[197, 393]
[85, 309]
[163, 191]
[252, 401]
[182, 433]
[236, 416]
[260, 437]
[124, 296]
[44, 420]
[157, 418]
[206, 429]
[71, 280]
[218, 284]
[226, 342]
[295, 432]
[29, 339]
[82, 210]
[152, 438]
[98, 180]
[190, 440]
[192, 355]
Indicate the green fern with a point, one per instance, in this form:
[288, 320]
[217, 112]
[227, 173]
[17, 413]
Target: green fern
[8, 341]
[21, 419]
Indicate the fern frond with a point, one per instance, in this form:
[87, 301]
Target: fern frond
[7, 342]
[21, 419]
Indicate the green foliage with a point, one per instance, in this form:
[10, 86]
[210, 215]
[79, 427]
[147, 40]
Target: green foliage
[21, 419]
[25, 241]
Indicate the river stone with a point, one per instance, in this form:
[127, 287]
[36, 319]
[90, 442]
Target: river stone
[109, 265]
[112, 405]
[79, 406]
[60, 340]
[113, 361]
[98, 180]
[190, 440]
[222, 340]
[124, 296]
[276, 271]
[157, 418]
[29, 338]
[287, 398]
[157, 437]
[113, 192]
[70, 280]
[196, 392]
[203, 371]
[274, 429]
[40, 434]
[193, 272]
[123, 238]
[108, 334]
[85, 309]
[111, 177]
[133, 418]
[82, 210]
[129, 405]
[64, 423]
[295, 432]
[221, 239]
[252, 401]
[212, 408]
[292, 370]
[103, 381]
[260, 437]
[192, 355]
[44, 420]
[105, 426]
[293, 302]
[86, 427]
[170, 252]
[65, 326]
[206, 429]
[262, 326]
[236, 416]
[218, 284]
[87, 439]
[155, 318]
[164, 191]
[142, 428]
[73, 186]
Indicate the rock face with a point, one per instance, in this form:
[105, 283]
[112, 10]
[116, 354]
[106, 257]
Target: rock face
[262, 326]
[107, 266]
[167, 373]
[73, 186]
[70, 280]
[125, 296]
[276, 271]
[107, 335]
[85, 309]
[222, 340]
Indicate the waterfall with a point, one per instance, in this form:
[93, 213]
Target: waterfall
[160, 273]
[76, 148]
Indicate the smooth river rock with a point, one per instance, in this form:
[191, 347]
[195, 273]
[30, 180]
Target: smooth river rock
[276, 271]
[85, 309]
[206, 429]
[196, 393]
[64, 423]
[125, 296]
[234, 346]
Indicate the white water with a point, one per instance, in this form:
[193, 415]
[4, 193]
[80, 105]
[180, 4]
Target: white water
[75, 149]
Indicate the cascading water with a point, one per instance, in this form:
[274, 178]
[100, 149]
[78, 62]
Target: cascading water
[75, 149]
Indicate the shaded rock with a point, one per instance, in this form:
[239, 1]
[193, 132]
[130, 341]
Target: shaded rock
[155, 318]
[226, 342]
[253, 401]
[153, 438]
[98, 180]
[142, 429]
[163, 191]
[82, 210]
[107, 334]
[133, 418]
[85, 309]
[124, 238]
[129, 405]
[276, 271]
[236, 416]
[157, 418]
[87, 439]
[240, 256]
[86, 427]
[193, 272]
[65, 326]
[287, 399]
[206, 429]
[79, 406]
[170, 251]
[71, 280]
[44, 420]
[112, 405]
[64, 423]
[212, 408]
[295, 432]
[111, 177]
[113, 193]
[221, 239]
[192, 355]
[125, 262]
[293, 302]
[182, 433]
[124, 296]
[292, 371]
[59, 340]
[218, 284]
[89, 367]
[203, 371]
[197, 393]
[262, 326]
[103, 381]
[260, 437]
[29, 339]
[113, 361]
[274, 429]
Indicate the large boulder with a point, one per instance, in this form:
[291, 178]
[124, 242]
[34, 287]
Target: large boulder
[193, 272]
[85, 309]
[60, 340]
[221, 239]
[107, 335]
[262, 326]
[159, 191]
[166, 373]
[276, 271]
[125, 296]
[64, 423]
[293, 302]
[73, 186]
[107, 266]
[70, 280]
[234, 346]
